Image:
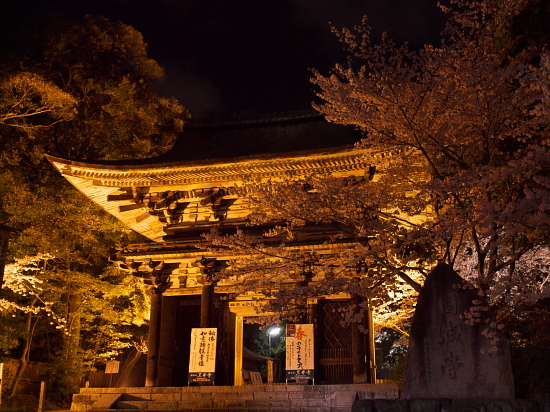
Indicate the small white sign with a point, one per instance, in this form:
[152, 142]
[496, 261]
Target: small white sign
[112, 366]
[202, 360]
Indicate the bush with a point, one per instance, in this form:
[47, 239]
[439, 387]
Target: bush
[62, 381]
[19, 403]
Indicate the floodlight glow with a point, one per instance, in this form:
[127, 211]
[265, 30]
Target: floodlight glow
[274, 331]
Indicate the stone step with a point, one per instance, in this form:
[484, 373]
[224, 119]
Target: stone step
[237, 409]
[253, 398]
[224, 404]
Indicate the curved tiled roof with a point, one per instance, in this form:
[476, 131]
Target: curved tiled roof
[263, 136]
[213, 156]
[183, 174]
[220, 141]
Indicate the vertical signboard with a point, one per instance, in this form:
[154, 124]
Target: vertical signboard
[202, 359]
[299, 352]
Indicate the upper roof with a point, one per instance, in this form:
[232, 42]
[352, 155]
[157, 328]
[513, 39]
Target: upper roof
[269, 136]
[208, 158]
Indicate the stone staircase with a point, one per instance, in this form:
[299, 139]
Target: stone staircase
[256, 398]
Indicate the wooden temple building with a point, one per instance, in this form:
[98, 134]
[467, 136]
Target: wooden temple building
[174, 198]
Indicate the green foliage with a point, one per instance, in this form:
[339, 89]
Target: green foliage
[28, 101]
[115, 316]
[19, 403]
[257, 340]
[105, 65]
[10, 332]
[63, 377]
[87, 93]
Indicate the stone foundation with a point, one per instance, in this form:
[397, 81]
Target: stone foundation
[449, 405]
[258, 398]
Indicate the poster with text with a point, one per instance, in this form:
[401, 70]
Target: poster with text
[202, 359]
[299, 352]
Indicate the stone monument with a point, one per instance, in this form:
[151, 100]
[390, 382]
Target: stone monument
[453, 355]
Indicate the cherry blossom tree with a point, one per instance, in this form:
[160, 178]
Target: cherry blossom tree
[328, 236]
[464, 179]
[110, 313]
[30, 300]
[476, 112]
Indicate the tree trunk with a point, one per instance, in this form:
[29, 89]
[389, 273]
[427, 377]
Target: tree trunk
[127, 367]
[71, 341]
[30, 323]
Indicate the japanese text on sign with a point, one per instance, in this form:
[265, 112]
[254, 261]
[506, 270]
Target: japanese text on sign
[299, 351]
[202, 359]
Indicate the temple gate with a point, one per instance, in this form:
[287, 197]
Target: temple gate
[174, 198]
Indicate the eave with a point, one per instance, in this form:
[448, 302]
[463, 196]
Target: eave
[116, 187]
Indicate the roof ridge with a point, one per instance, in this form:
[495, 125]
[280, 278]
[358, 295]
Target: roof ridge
[266, 118]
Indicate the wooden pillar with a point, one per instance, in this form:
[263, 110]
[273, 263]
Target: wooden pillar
[363, 350]
[231, 319]
[270, 377]
[371, 350]
[162, 282]
[311, 311]
[358, 352]
[239, 381]
[208, 268]
[207, 300]
[151, 373]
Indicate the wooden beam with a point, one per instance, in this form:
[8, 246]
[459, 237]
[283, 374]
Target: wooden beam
[125, 196]
[142, 217]
[126, 208]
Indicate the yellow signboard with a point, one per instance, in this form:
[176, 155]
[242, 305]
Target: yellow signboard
[299, 352]
[202, 359]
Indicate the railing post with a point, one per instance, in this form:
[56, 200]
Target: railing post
[270, 371]
[41, 398]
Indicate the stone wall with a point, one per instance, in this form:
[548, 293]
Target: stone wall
[449, 405]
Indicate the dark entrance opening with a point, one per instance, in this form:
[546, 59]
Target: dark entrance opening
[188, 316]
[263, 343]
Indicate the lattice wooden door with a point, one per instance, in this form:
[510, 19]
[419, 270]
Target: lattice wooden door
[335, 350]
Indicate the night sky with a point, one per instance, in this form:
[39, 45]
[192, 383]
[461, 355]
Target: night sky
[238, 57]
